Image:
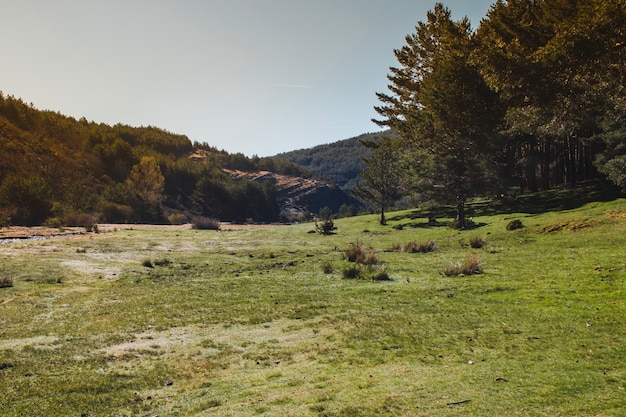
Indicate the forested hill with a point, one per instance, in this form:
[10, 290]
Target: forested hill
[339, 161]
[57, 170]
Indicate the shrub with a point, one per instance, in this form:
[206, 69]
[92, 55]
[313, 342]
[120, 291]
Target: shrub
[477, 242]
[147, 263]
[471, 266]
[205, 223]
[6, 282]
[176, 218]
[78, 219]
[116, 213]
[325, 227]
[54, 222]
[514, 225]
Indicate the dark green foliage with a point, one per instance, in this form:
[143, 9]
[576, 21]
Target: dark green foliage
[340, 161]
[325, 227]
[24, 200]
[381, 180]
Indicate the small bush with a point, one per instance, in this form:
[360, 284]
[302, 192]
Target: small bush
[471, 266]
[54, 222]
[325, 227]
[205, 223]
[477, 242]
[6, 282]
[176, 218]
[77, 219]
[514, 225]
[147, 263]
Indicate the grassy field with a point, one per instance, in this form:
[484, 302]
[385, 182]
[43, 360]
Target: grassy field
[261, 321]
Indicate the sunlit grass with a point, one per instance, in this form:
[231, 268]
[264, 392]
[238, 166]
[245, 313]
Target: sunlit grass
[261, 321]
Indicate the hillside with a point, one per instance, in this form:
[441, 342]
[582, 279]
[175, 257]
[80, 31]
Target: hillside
[339, 161]
[298, 196]
[57, 170]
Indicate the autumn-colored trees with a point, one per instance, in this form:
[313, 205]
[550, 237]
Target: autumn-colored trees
[59, 170]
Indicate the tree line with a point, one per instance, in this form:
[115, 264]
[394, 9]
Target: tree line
[532, 99]
[58, 170]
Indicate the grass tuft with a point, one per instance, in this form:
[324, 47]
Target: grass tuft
[471, 266]
[6, 282]
[477, 242]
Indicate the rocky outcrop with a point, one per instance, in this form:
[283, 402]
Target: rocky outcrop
[298, 196]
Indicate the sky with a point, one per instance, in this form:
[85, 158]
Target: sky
[259, 77]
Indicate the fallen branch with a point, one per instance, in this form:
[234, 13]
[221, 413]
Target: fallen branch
[459, 402]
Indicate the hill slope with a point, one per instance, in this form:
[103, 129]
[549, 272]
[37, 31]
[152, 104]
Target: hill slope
[339, 161]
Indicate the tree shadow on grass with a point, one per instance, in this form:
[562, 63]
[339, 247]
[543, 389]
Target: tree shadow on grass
[557, 199]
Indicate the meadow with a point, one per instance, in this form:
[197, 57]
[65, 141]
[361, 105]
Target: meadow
[263, 321]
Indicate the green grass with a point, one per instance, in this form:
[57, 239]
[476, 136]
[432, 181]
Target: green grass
[261, 322]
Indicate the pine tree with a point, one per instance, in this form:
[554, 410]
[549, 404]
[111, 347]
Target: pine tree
[443, 112]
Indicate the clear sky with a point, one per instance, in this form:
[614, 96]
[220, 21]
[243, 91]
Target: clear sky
[253, 76]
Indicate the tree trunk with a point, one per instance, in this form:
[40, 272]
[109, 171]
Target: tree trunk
[460, 212]
[383, 221]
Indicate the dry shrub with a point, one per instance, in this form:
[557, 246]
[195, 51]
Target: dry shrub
[424, 247]
[471, 266]
[357, 253]
[477, 242]
[205, 223]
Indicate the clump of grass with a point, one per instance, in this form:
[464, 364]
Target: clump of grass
[477, 242]
[327, 268]
[357, 253]
[363, 264]
[423, 247]
[352, 271]
[366, 272]
[471, 266]
[514, 224]
[162, 262]
[6, 282]
[205, 223]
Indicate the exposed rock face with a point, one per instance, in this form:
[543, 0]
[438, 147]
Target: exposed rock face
[298, 195]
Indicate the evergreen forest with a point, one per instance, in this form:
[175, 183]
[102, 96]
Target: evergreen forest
[534, 98]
